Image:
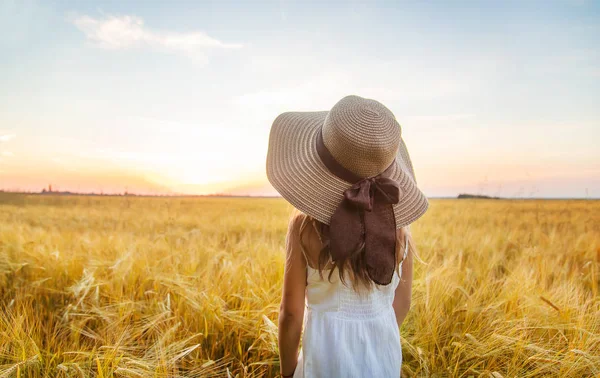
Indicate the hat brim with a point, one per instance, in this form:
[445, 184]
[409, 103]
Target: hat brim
[296, 171]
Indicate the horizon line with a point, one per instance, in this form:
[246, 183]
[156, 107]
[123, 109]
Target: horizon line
[225, 195]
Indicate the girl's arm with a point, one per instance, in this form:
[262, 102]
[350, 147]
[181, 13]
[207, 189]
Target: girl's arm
[403, 291]
[291, 312]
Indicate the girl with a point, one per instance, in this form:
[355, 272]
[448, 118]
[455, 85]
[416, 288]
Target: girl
[349, 174]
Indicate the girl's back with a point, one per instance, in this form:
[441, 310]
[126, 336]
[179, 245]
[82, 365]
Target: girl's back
[347, 333]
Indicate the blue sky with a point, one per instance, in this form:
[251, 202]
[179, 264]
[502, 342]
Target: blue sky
[496, 98]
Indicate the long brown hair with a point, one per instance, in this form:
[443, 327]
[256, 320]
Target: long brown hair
[353, 267]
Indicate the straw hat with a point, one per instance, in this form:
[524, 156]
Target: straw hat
[362, 135]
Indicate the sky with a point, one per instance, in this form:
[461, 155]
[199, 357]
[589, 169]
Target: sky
[178, 97]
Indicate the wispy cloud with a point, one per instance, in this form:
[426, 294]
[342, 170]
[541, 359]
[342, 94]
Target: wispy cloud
[7, 154]
[127, 32]
[6, 137]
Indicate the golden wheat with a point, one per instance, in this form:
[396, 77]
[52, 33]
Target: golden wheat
[164, 287]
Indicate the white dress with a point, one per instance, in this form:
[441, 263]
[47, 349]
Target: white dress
[346, 334]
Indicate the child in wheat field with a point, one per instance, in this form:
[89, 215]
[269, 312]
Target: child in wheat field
[348, 271]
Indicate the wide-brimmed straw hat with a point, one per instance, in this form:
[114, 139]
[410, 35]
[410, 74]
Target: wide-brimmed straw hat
[362, 135]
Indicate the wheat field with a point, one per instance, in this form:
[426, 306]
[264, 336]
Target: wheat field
[189, 287]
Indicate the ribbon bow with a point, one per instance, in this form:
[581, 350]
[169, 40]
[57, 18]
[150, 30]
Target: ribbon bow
[364, 218]
[363, 193]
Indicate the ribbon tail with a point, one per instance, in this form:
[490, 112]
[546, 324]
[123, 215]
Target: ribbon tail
[380, 243]
[346, 231]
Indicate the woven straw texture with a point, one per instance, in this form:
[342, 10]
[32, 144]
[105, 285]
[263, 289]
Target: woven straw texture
[362, 135]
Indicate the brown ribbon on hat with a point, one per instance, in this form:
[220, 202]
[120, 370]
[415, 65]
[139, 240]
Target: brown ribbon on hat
[365, 217]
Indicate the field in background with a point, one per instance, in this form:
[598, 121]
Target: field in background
[157, 287]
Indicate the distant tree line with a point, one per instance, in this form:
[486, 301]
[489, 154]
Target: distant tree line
[466, 195]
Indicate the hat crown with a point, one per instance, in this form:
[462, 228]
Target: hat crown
[362, 135]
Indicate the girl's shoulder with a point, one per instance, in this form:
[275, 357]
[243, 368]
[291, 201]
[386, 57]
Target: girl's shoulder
[303, 229]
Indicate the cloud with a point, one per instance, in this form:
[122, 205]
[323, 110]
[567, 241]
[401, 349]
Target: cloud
[6, 137]
[129, 32]
[7, 154]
